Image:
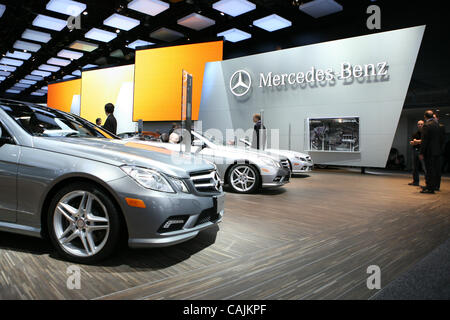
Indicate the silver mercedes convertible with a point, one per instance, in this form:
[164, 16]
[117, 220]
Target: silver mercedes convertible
[245, 171]
[65, 178]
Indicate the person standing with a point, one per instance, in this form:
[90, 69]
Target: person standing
[98, 122]
[415, 142]
[442, 143]
[258, 132]
[430, 151]
[110, 122]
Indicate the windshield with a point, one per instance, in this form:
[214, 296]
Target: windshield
[209, 138]
[47, 122]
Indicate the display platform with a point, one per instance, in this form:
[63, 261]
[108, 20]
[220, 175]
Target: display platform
[266, 248]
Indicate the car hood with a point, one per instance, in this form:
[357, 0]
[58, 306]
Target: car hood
[287, 153]
[120, 152]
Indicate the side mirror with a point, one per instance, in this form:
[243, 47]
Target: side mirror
[198, 143]
[5, 140]
[245, 141]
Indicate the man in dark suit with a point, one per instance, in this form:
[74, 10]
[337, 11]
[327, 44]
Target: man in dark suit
[258, 132]
[415, 142]
[110, 122]
[442, 143]
[430, 151]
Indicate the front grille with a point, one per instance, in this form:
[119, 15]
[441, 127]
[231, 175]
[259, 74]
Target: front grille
[207, 182]
[208, 215]
[285, 164]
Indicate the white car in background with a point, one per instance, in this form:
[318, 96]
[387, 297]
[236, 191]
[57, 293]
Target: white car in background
[298, 162]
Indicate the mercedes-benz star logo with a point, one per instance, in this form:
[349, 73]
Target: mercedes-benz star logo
[240, 83]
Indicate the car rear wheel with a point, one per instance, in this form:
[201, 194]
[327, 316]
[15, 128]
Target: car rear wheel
[83, 223]
[244, 178]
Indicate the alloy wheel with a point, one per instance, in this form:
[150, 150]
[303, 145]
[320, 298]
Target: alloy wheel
[81, 224]
[243, 178]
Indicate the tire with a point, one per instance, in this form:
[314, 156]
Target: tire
[83, 223]
[239, 178]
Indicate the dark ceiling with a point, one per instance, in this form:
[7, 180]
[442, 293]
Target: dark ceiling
[430, 83]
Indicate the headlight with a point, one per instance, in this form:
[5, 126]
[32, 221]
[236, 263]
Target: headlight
[181, 186]
[270, 162]
[148, 178]
[300, 158]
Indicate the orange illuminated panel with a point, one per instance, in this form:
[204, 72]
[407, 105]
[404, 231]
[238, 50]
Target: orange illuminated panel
[61, 94]
[158, 79]
[108, 85]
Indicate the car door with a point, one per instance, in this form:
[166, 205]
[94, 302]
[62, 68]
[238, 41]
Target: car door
[9, 159]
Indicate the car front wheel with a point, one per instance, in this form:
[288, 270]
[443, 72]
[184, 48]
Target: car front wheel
[244, 178]
[83, 223]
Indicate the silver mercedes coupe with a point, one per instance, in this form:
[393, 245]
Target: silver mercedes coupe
[64, 178]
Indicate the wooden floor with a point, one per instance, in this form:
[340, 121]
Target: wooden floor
[313, 239]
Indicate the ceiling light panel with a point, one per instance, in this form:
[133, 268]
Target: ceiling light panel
[46, 67]
[11, 62]
[68, 7]
[196, 21]
[234, 35]
[320, 8]
[23, 45]
[77, 73]
[83, 46]
[5, 73]
[13, 91]
[166, 34]
[44, 88]
[121, 22]
[2, 78]
[36, 36]
[234, 8]
[51, 23]
[41, 73]
[69, 76]
[272, 23]
[7, 68]
[89, 66]
[37, 78]
[150, 7]
[22, 85]
[19, 55]
[59, 62]
[69, 54]
[139, 43]
[25, 81]
[36, 93]
[100, 35]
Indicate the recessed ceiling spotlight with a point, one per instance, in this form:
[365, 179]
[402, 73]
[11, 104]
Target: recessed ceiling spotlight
[222, 14]
[85, 13]
[117, 31]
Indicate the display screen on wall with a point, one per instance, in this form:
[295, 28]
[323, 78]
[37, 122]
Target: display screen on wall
[157, 95]
[334, 134]
[109, 85]
[65, 96]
